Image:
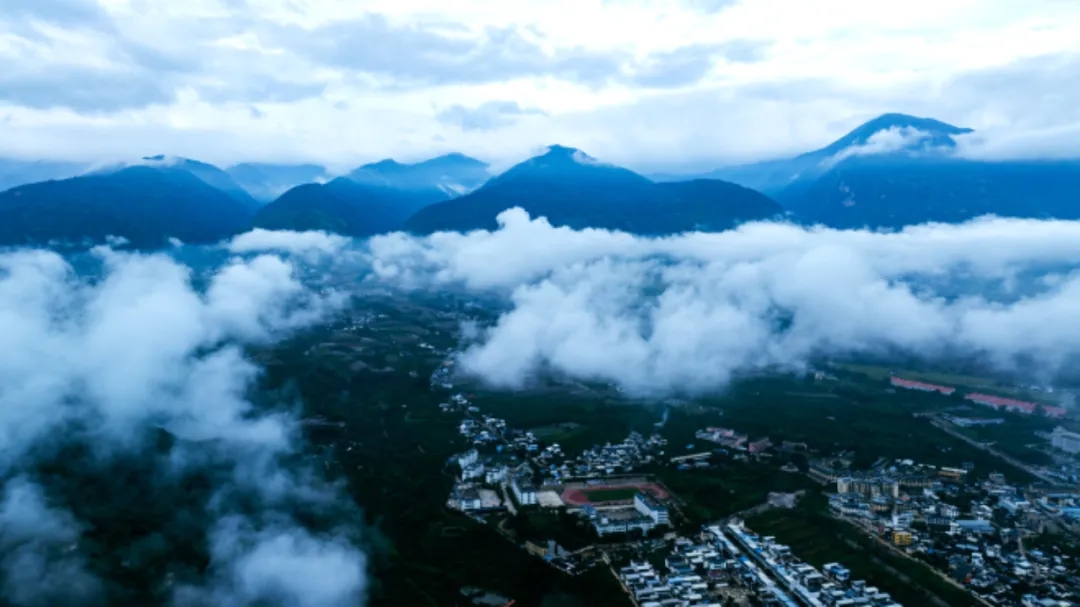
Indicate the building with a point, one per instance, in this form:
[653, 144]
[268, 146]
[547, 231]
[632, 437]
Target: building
[651, 507]
[881, 505]
[1013, 504]
[999, 403]
[496, 474]
[523, 490]
[474, 470]
[1055, 412]
[918, 385]
[1065, 440]
[759, 445]
[901, 538]
[466, 499]
[968, 422]
[952, 473]
[836, 571]
[468, 458]
[872, 486]
[975, 526]
[606, 526]
[916, 481]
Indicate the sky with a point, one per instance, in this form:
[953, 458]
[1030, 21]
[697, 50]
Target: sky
[659, 85]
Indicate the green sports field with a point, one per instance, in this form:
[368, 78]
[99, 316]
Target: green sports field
[611, 495]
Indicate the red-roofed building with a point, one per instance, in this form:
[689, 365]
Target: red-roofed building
[760, 445]
[1008, 404]
[900, 382]
[1049, 411]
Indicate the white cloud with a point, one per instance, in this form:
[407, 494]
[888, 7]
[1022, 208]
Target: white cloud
[686, 312]
[107, 358]
[38, 566]
[887, 141]
[284, 565]
[638, 83]
[260, 240]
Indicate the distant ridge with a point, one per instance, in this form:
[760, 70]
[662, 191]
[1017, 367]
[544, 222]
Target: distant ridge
[344, 206]
[773, 176]
[940, 134]
[208, 173]
[21, 172]
[451, 174]
[374, 198]
[898, 170]
[146, 205]
[266, 182]
[571, 188]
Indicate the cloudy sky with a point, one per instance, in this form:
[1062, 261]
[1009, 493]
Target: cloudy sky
[652, 84]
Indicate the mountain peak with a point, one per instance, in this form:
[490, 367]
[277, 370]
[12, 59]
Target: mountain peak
[560, 150]
[451, 174]
[561, 154]
[455, 161]
[559, 164]
[937, 133]
[384, 164]
[159, 160]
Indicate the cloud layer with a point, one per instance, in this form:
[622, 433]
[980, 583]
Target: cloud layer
[671, 83]
[687, 312]
[105, 354]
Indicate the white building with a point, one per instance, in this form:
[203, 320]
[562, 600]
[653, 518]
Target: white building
[466, 499]
[474, 470]
[606, 526]
[523, 490]
[1065, 440]
[468, 458]
[495, 475]
[651, 507]
[1013, 504]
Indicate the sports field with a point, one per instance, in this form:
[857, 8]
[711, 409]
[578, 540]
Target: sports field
[611, 495]
[581, 495]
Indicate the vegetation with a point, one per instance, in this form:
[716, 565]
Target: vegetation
[393, 459]
[961, 381]
[393, 449]
[708, 495]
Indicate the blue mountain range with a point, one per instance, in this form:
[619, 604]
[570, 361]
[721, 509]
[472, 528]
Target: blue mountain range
[893, 171]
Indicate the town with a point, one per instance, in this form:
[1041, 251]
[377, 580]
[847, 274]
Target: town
[972, 532]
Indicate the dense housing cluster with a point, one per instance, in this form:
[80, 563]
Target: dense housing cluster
[730, 561]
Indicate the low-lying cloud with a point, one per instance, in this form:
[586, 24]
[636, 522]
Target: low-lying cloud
[687, 312]
[261, 241]
[886, 141]
[105, 356]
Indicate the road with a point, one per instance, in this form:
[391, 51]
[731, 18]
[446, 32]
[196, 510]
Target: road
[611, 567]
[948, 429]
